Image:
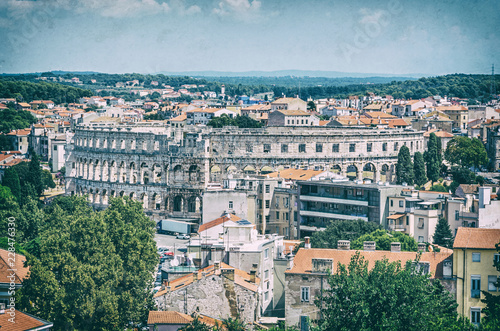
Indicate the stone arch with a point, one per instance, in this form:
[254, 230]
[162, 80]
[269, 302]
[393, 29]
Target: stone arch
[266, 170]
[104, 197]
[370, 172]
[178, 173]
[122, 173]
[132, 195]
[156, 201]
[249, 170]
[193, 204]
[215, 173]
[178, 203]
[143, 198]
[194, 173]
[105, 171]
[231, 169]
[352, 171]
[113, 171]
[133, 175]
[121, 194]
[335, 168]
[97, 197]
[145, 177]
[385, 173]
[156, 173]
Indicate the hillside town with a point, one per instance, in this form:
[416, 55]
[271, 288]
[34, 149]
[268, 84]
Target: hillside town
[240, 209]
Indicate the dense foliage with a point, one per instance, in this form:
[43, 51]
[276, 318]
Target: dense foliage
[29, 91]
[383, 240]
[443, 235]
[387, 297]
[94, 270]
[404, 167]
[419, 169]
[433, 157]
[11, 119]
[342, 230]
[239, 121]
[466, 152]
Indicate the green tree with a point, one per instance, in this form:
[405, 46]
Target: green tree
[94, 269]
[491, 312]
[387, 297]
[419, 169]
[342, 230]
[8, 208]
[47, 180]
[438, 188]
[11, 180]
[466, 152]
[433, 158]
[311, 106]
[404, 167]
[442, 234]
[231, 324]
[34, 176]
[196, 325]
[383, 240]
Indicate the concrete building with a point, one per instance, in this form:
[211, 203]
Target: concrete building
[288, 104]
[323, 201]
[307, 279]
[493, 145]
[473, 256]
[287, 117]
[204, 115]
[20, 140]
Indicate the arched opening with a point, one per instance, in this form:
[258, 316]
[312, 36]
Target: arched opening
[369, 171]
[231, 169]
[156, 173]
[384, 173]
[266, 170]
[336, 169]
[193, 173]
[192, 204]
[178, 173]
[215, 173]
[352, 172]
[249, 170]
[178, 203]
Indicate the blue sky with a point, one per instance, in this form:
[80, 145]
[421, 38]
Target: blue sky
[148, 36]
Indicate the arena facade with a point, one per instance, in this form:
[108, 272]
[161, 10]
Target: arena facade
[169, 168]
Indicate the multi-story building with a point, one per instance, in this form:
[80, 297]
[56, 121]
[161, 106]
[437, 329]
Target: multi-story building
[473, 256]
[20, 140]
[493, 145]
[288, 104]
[323, 201]
[291, 117]
[458, 114]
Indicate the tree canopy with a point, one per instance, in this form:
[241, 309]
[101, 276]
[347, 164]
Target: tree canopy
[443, 235]
[95, 269]
[11, 119]
[342, 230]
[404, 167]
[419, 169]
[466, 152]
[239, 121]
[387, 297]
[383, 240]
[433, 157]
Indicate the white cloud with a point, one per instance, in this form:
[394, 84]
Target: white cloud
[123, 8]
[226, 7]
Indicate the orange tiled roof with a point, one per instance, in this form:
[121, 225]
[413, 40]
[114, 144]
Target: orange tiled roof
[21, 132]
[23, 322]
[180, 118]
[174, 317]
[296, 174]
[20, 272]
[302, 264]
[381, 114]
[438, 133]
[476, 238]
[292, 112]
[218, 221]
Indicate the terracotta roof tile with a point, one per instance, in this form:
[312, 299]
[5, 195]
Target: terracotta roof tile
[476, 238]
[174, 317]
[295, 174]
[218, 221]
[302, 264]
[18, 270]
[23, 322]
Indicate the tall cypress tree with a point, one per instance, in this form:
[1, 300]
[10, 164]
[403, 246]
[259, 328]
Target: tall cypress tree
[11, 180]
[433, 157]
[404, 167]
[419, 169]
[442, 234]
[35, 174]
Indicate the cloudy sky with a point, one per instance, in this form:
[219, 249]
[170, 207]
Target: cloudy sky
[148, 36]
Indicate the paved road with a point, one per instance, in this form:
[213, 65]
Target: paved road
[165, 240]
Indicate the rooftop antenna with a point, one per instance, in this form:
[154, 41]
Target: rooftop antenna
[492, 83]
[299, 88]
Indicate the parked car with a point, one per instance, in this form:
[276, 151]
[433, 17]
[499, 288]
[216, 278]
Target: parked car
[182, 236]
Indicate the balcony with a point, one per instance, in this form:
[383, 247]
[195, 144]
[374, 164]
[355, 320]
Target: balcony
[330, 214]
[398, 227]
[330, 199]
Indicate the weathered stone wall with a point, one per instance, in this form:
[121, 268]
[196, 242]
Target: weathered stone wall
[150, 163]
[213, 295]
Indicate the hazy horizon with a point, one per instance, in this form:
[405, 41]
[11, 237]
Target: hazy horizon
[393, 37]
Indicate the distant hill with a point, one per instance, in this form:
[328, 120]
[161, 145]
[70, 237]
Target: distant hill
[284, 73]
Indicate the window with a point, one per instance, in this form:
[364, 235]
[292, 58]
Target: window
[496, 258]
[475, 315]
[266, 253]
[475, 286]
[266, 274]
[55, 147]
[384, 147]
[401, 203]
[266, 296]
[268, 188]
[230, 205]
[420, 239]
[335, 148]
[476, 257]
[285, 216]
[407, 220]
[267, 203]
[249, 148]
[319, 148]
[392, 203]
[277, 215]
[284, 148]
[304, 293]
[420, 223]
[267, 148]
[491, 283]
[352, 148]
[396, 147]
[302, 148]
[457, 215]
[369, 147]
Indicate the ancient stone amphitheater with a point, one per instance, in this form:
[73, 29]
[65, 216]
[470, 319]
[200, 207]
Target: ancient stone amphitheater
[169, 168]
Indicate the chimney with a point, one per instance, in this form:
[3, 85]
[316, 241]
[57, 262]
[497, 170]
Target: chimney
[395, 247]
[422, 247]
[253, 274]
[216, 265]
[307, 244]
[344, 245]
[369, 246]
[228, 273]
[195, 276]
